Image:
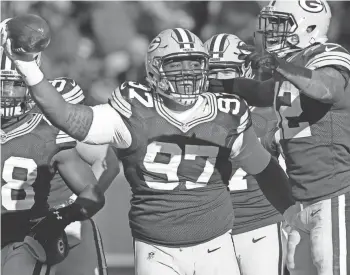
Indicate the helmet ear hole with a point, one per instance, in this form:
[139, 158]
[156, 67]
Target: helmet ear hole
[310, 28]
[242, 56]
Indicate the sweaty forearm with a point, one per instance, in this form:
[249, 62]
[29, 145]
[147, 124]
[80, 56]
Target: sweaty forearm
[256, 93]
[274, 184]
[74, 120]
[315, 84]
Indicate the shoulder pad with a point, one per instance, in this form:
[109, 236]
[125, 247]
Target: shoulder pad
[69, 89]
[327, 54]
[236, 106]
[128, 94]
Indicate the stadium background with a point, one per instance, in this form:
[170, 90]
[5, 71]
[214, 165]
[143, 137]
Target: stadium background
[101, 44]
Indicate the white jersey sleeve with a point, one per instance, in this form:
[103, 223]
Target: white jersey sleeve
[108, 128]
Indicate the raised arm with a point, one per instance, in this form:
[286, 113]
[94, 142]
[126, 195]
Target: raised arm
[324, 77]
[100, 124]
[95, 125]
[326, 84]
[74, 119]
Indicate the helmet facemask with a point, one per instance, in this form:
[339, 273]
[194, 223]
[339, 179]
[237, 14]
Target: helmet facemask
[183, 77]
[278, 30]
[14, 97]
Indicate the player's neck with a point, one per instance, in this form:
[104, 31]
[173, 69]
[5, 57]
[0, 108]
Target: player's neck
[8, 125]
[188, 113]
[176, 107]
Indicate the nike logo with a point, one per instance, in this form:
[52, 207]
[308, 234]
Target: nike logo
[328, 49]
[313, 213]
[16, 247]
[256, 240]
[210, 251]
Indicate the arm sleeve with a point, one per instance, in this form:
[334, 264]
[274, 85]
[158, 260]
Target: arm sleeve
[108, 128]
[248, 153]
[256, 161]
[274, 183]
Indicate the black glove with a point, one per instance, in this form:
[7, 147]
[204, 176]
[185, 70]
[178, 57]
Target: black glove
[50, 251]
[50, 225]
[265, 61]
[48, 231]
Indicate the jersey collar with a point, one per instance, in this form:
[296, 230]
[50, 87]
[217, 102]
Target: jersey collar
[206, 111]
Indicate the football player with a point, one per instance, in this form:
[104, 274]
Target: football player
[176, 142]
[257, 231]
[311, 94]
[36, 164]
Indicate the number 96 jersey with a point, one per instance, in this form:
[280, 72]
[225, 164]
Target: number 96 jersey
[178, 164]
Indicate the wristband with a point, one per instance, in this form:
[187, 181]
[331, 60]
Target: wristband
[30, 72]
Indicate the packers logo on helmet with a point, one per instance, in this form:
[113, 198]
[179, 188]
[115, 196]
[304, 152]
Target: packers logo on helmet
[154, 44]
[166, 72]
[311, 6]
[290, 26]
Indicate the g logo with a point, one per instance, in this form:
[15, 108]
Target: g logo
[154, 44]
[61, 246]
[314, 6]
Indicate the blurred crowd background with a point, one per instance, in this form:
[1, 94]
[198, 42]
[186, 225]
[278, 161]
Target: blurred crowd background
[102, 43]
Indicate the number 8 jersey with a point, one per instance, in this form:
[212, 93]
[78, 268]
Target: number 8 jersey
[178, 164]
[30, 184]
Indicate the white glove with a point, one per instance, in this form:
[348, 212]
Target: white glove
[291, 217]
[291, 214]
[24, 63]
[292, 242]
